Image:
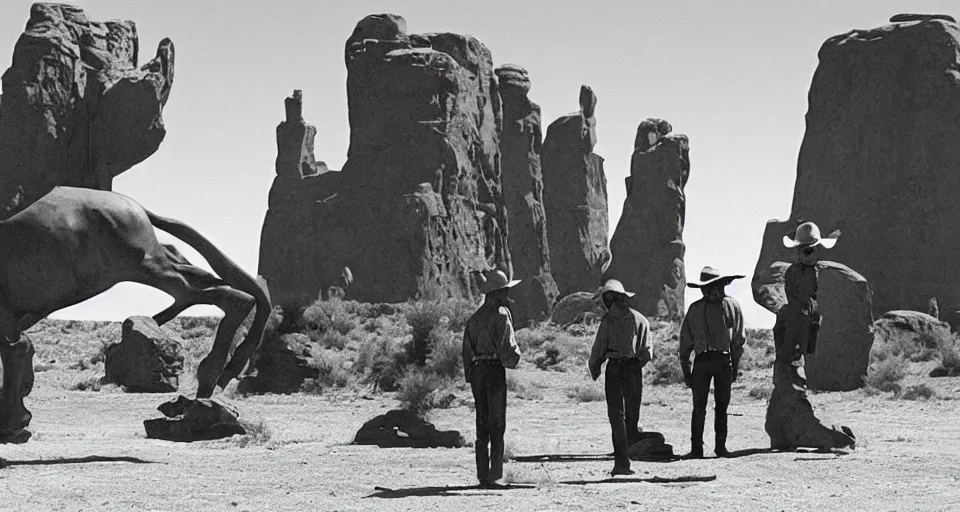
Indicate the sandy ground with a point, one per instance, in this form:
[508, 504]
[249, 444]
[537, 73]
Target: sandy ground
[906, 459]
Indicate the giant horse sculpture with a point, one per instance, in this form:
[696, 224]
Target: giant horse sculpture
[75, 243]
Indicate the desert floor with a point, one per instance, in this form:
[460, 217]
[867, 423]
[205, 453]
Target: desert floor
[906, 458]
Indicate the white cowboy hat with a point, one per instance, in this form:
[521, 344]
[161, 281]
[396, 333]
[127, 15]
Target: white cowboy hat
[808, 235]
[493, 280]
[613, 285]
[711, 275]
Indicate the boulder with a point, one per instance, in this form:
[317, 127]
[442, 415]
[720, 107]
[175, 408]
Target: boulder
[194, 420]
[146, 360]
[575, 199]
[418, 207]
[520, 147]
[577, 307]
[282, 365]
[401, 428]
[77, 108]
[647, 247]
[879, 156]
[843, 347]
[913, 332]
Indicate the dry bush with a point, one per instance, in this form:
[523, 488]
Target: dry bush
[549, 347]
[420, 391]
[523, 390]
[884, 375]
[332, 372]
[762, 392]
[918, 392]
[586, 393]
[446, 355]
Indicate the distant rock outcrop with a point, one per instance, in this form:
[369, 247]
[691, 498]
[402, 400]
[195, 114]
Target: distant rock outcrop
[879, 161]
[647, 247]
[846, 303]
[520, 147]
[418, 206]
[147, 359]
[76, 109]
[575, 199]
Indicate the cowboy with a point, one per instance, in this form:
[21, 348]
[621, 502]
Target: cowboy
[489, 346]
[622, 340]
[798, 321]
[713, 328]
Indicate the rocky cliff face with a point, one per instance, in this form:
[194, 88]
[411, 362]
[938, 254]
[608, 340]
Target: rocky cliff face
[880, 160]
[418, 206]
[575, 199]
[76, 108]
[647, 247]
[520, 148]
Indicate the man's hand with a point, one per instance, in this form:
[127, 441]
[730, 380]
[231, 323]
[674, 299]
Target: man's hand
[644, 356]
[688, 380]
[734, 373]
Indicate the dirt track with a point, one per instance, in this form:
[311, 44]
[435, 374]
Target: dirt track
[906, 458]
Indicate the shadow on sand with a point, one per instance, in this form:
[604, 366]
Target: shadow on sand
[71, 460]
[587, 457]
[651, 480]
[461, 490]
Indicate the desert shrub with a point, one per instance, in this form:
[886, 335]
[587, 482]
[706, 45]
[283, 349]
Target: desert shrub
[665, 369]
[446, 354]
[552, 348]
[326, 315]
[332, 372]
[762, 392]
[586, 393]
[523, 390]
[884, 375]
[758, 352]
[419, 391]
[89, 384]
[259, 432]
[918, 392]
[381, 362]
[949, 352]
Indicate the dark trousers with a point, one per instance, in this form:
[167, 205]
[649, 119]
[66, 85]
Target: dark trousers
[489, 384]
[623, 387]
[707, 366]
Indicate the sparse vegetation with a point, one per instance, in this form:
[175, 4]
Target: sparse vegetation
[586, 393]
[918, 392]
[884, 375]
[762, 392]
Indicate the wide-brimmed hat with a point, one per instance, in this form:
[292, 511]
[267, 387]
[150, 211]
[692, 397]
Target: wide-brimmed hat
[493, 280]
[808, 235]
[613, 285]
[710, 275]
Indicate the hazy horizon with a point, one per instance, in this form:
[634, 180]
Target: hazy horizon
[733, 78]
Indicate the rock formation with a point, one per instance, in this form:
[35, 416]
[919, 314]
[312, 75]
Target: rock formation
[577, 307]
[879, 161]
[147, 359]
[193, 420]
[575, 199]
[520, 147]
[76, 108]
[283, 364]
[418, 206]
[846, 303]
[647, 247]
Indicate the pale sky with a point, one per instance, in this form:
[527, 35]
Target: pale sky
[733, 76]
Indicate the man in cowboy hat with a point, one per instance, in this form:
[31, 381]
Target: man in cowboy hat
[489, 346]
[713, 329]
[622, 340]
[798, 321]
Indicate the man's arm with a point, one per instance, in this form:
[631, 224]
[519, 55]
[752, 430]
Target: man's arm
[686, 348]
[467, 353]
[644, 348]
[738, 336]
[599, 352]
[508, 347]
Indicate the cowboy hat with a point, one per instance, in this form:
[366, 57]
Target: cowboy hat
[493, 280]
[612, 285]
[808, 235]
[710, 275]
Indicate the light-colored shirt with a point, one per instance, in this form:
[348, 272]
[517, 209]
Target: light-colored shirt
[623, 333]
[712, 325]
[489, 335]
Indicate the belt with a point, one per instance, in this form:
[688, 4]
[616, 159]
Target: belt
[714, 352]
[485, 357]
[616, 356]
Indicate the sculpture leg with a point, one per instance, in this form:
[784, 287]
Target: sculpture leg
[17, 360]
